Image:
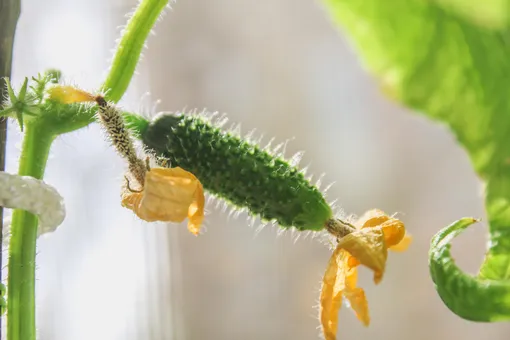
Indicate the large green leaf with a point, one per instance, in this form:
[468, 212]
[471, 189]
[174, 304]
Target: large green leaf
[443, 60]
[488, 13]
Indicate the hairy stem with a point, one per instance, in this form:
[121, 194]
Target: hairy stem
[9, 14]
[39, 134]
[136, 123]
[130, 48]
[21, 282]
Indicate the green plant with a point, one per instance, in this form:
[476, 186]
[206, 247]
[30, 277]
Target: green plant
[198, 151]
[43, 121]
[450, 60]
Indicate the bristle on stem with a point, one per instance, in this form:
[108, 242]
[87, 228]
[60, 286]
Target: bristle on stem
[112, 120]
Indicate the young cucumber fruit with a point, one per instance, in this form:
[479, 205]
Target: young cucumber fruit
[238, 171]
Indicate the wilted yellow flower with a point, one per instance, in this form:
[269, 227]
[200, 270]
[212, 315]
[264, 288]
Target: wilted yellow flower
[368, 245]
[169, 195]
[66, 94]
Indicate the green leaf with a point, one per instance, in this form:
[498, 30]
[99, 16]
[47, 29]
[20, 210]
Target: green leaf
[6, 112]
[494, 14]
[10, 91]
[441, 61]
[23, 90]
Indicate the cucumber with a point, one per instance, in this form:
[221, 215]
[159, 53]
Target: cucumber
[238, 171]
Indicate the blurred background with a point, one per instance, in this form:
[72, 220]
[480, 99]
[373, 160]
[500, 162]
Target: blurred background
[278, 66]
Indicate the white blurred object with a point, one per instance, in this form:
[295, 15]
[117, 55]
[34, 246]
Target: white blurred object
[35, 196]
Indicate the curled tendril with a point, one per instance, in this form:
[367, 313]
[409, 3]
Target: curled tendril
[35, 196]
[473, 298]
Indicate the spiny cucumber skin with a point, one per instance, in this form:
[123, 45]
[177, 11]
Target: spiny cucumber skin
[238, 172]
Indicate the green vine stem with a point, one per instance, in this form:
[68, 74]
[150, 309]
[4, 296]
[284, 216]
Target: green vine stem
[21, 298]
[130, 48]
[40, 131]
[9, 14]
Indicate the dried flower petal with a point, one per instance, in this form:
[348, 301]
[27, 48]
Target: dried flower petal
[331, 297]
[369, 248]
[340, 280]
[67, 94]
[368, 245]
[196, 211]
[354, 295]
[393, 228]
[169, 195]
[403, 244]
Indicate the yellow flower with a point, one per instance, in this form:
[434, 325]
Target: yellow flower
[375, 233]
[66, 94]
[168, 195]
